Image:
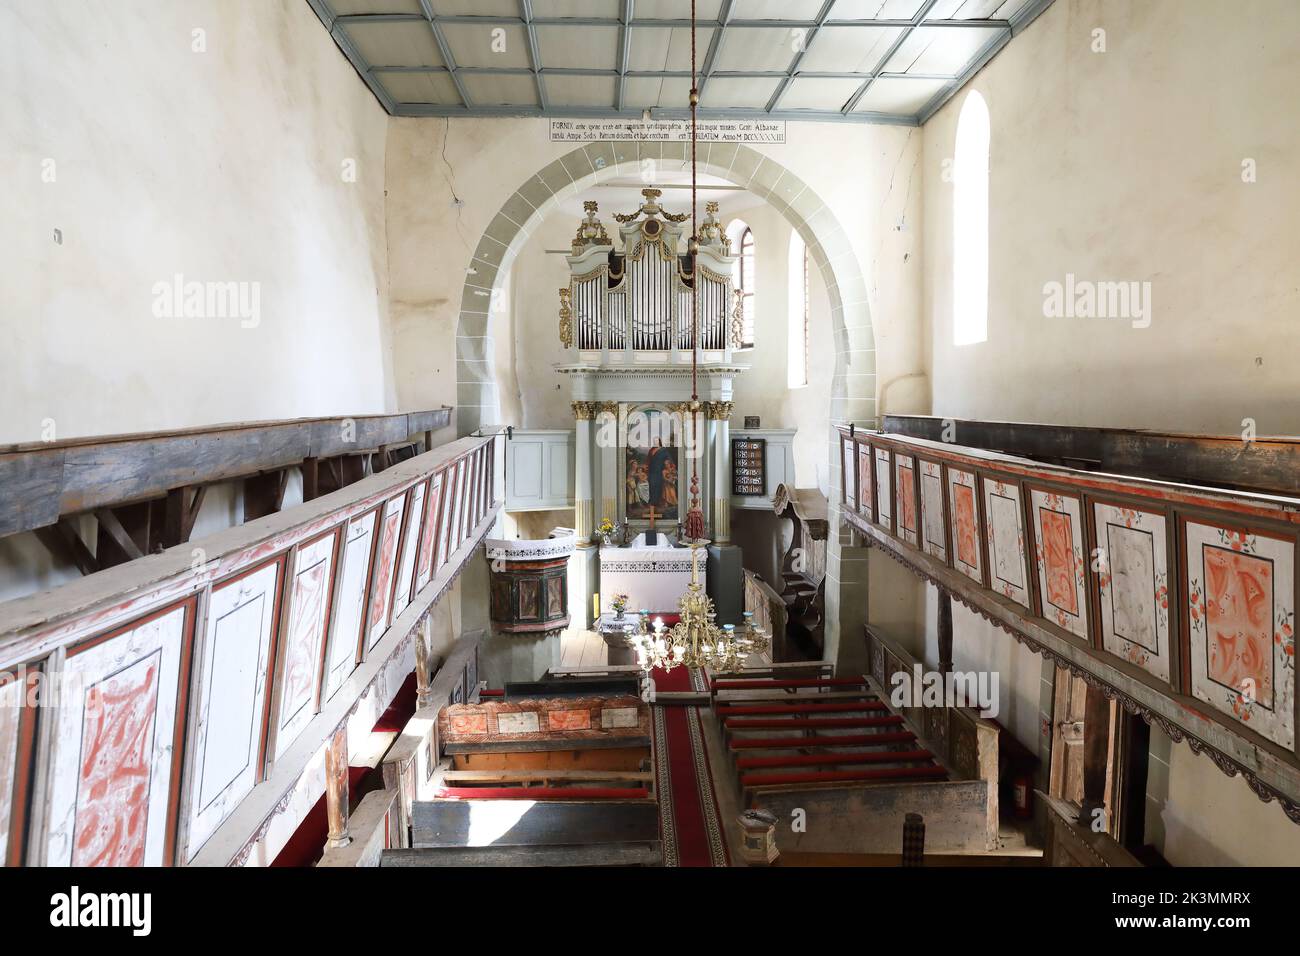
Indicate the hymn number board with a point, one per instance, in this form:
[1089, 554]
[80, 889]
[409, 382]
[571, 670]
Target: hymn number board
[749, 466]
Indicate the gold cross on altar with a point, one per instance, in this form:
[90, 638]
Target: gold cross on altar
[651, 515]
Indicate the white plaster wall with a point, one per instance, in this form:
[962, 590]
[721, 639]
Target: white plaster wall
[764, 390]
[979, 647]
[224, 165]
[1127, 165]
[1197, 816]
[866, 173]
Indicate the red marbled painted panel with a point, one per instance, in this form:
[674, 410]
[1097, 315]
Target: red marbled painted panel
[1058, 560]
[116, 755]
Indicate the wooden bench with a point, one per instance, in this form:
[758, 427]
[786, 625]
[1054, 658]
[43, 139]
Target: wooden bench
[750, 781]
[542, 784]
[835, 707]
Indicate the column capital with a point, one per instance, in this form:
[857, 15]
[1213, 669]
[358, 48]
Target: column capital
[607, 408]
[719, 411]
[584, 411]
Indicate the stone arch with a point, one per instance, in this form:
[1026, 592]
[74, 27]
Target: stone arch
[853, 387]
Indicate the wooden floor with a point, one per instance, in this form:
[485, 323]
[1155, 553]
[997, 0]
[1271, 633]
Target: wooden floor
[583, 649]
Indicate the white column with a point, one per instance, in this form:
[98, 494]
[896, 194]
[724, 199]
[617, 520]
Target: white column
[608, 426]
[721, 413]
[583, 412]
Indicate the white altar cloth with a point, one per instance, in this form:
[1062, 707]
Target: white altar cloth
[652, 578]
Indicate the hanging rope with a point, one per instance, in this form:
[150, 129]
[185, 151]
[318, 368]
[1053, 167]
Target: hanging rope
[692, 246]
[694, 526]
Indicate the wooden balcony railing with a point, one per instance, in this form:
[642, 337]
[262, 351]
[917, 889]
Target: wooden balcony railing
[1174, 597]
[41, 483]
[162, 712]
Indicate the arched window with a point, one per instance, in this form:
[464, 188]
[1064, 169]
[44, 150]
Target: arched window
[970, 224]
[745, 284]
[797, 353]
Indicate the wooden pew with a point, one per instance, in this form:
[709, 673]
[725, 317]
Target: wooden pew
[834, 750]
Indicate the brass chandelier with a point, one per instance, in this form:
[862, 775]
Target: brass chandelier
[695, 640]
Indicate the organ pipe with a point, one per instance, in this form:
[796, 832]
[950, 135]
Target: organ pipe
[640, 298]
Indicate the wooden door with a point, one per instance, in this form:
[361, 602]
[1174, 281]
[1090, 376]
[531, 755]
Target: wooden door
[1068, 707]
[1069, 731]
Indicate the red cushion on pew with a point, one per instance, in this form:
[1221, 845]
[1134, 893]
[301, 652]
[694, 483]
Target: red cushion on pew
[489, 692]
[808, 723]
[542, 793]
[813, 760]
[729, 684]
[842, 776]
[798, 743]
[733, 710]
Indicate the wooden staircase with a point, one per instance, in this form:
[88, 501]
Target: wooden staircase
[803, 567]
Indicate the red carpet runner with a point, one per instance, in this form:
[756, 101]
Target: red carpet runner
[688, 811]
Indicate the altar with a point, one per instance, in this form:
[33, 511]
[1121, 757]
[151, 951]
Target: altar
[652, 576]
[651, 331]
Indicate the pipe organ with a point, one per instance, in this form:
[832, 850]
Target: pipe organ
[626, 324]
[637, 301]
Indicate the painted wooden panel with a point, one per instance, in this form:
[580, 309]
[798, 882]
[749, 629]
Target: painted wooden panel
[444, 517]
[112, 762]
[381, 590]
[350, 600]
[11, 704]
[905, 497]
[884, 494]
[1005, 533]
[865, 501]
[303, 646]
[933, 532]
[457, 526]
[410, 541]
[428, 539]
[1059, 559]
[236, 650]
[964, 523]
[848, 459]
[449, 541]
[1241, 611]
[471, 480]
[1133, 586]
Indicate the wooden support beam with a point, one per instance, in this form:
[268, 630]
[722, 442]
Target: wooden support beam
[180, 511]
[50, 479]
[62, 541]
[310, 478]
[1096, 756]
[423, 674]
[336, 788]
[1270, 464]
[264, 494]
[944, 628]
[109, 523]
[1133, 757]
[352, 468]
